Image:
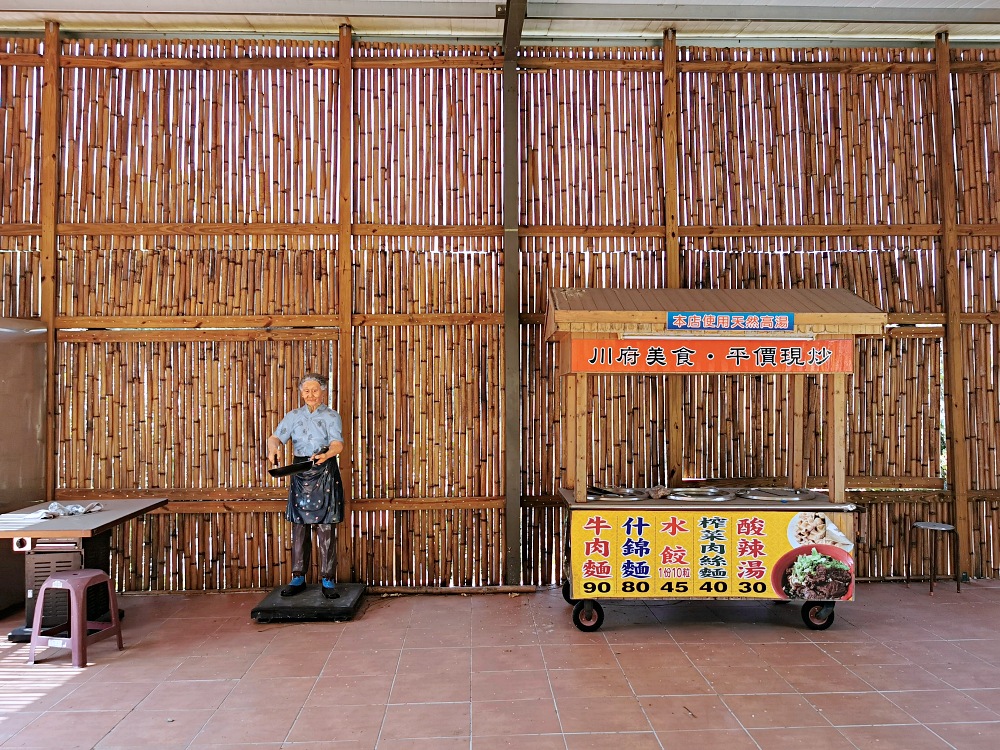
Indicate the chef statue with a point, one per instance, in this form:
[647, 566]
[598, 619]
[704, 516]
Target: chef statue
[316, 495]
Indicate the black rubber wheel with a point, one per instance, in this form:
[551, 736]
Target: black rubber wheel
[810, 616]
[565, 593]
[591, 623]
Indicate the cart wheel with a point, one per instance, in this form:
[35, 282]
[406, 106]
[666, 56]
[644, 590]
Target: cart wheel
[565, 593]
[585, 623]
[812, 615]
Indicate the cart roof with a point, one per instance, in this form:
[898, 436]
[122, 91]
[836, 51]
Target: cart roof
[617, 311]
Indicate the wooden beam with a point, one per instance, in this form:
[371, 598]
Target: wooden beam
[812, 230]
[202, 63]
[213, 229]
[200, 334]
[345, 295]
[21, 59]
[568, 414]
[194, 229]
[956, 386]
[582, 436]
[808, 67]
[430, 319]
[156, 322]
[513, 24]
[49, 243]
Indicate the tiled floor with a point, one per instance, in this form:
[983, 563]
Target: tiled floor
[898, 669]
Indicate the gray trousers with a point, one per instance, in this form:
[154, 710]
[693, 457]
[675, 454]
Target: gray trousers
[302, 549]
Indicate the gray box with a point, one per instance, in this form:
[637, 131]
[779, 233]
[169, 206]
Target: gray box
[22, 439]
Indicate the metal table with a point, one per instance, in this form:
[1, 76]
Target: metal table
[66, 543]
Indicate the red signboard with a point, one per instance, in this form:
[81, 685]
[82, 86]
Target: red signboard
[754, 356]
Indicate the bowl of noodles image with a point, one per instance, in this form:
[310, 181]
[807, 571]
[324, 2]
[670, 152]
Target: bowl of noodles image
[820, 572]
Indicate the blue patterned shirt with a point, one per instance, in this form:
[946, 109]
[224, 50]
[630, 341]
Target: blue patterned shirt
[310, 431]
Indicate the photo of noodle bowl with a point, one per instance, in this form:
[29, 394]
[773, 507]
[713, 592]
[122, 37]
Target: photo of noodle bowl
[817, 572]
[813, 527]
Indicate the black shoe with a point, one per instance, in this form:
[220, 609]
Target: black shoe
[293, 588]
[330, 592]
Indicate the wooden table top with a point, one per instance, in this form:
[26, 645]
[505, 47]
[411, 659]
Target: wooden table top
[25, 523]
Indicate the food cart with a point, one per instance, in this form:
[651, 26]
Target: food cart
[689, 539]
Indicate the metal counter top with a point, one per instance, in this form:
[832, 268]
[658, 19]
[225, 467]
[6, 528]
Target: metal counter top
[819, 502]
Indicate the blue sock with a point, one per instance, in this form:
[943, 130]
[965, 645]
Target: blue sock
[298, 580]
[328, 584]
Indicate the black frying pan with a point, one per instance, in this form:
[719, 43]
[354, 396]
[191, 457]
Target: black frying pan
[293, 468]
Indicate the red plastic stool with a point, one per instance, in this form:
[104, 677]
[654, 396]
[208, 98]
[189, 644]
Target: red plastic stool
[76, 582]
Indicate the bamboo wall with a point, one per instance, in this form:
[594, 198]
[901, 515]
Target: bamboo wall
[213, 238]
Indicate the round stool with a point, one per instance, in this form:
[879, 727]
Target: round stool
[76, 583]
[935, 526]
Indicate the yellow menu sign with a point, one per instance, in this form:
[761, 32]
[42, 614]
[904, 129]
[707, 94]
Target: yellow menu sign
[706, 553]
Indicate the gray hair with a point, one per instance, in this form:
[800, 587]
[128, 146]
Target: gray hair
[315, 377]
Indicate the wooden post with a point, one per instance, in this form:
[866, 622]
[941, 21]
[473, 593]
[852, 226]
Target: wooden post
[836, 436]
[675, 385]
[345, 297]
[954, 347]
[49, 216]
[569, 427]
[582, 437]
[797, 431]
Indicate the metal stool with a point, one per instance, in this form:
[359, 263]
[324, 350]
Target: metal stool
[76, 583]
[935, 526]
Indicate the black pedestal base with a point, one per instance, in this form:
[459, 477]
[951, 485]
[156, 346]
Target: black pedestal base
[23, 634]
[310, 605]
[20, 635]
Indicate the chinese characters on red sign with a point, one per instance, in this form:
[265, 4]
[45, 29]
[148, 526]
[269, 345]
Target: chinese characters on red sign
[709, 355]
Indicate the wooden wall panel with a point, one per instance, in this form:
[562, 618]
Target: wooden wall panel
[20, 141]
[428, 276]
[20, 166]
[195, 414]
[983, 405]
[201, 276]
[592, 145]
[775, 148]
[199, 180]
[20, 274]
[896, 274]
[428, 412]
[427, 149]
[183, 144]
[976, 97]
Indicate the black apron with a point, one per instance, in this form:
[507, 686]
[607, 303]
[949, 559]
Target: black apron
[316, 495]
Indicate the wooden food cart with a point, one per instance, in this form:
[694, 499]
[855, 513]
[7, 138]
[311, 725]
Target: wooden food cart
[699, 539]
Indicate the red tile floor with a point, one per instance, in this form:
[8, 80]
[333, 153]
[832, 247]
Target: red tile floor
[898, 669]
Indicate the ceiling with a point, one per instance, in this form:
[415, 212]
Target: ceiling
[595, 22]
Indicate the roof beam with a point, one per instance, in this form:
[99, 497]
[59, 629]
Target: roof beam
[782, 10]
[513, 24]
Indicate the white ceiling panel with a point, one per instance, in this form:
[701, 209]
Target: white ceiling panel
[547, 21]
